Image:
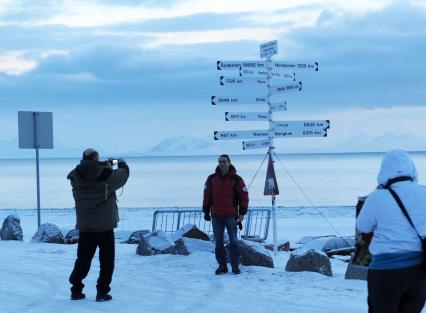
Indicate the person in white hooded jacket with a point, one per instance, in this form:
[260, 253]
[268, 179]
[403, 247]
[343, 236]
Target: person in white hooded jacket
[396, 277]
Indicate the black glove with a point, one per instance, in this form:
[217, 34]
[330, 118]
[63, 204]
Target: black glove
[207, 217]
[240, 225]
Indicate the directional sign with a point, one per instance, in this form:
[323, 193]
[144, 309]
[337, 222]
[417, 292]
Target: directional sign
[236, 65]
[277, 107]
[295, 66]
[268, 49]
[219, 100]
[240, 134]
[240, 81]
[286, 88]
[301, 125]
[278, 65]
[246, 116]
[300, 133]
[251, 73]
[255, 144]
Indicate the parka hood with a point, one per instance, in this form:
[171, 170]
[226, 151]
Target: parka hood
[396, 163]
[86, 171]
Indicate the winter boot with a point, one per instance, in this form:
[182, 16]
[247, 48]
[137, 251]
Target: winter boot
[235, 269]
[100, 297]
[222, 269]
[77, 296]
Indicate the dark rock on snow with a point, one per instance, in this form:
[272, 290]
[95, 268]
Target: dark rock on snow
[48, 233]
[158, 243]
[11, 229]
[309, 260]
[252, 254]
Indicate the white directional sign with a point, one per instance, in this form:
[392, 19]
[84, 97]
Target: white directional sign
[277, 107]
[219, 100]
[241, 80]
[278, 65]
[296, 86]
[300, 133]
[256, 144]
[268, 49]
[252, 73]
[295, 66]
[246, 116]
[301, 125]
[240, 134]
[236, 65]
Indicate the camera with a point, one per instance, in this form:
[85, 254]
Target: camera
[111, 162]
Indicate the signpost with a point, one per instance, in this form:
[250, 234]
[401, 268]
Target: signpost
[263, 72]
[240, 134]
[241, 80]
[218, 100]
[247, 116]
[36, 132]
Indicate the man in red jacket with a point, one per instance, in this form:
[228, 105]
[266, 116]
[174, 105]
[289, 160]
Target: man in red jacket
[225, 203]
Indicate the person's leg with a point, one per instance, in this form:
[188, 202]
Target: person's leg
[413, 300]
[234, 249]
[106, 244]
[218, 229]
[384, 291]
[85, 251]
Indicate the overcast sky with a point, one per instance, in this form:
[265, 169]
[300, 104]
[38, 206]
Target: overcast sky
[123, 75]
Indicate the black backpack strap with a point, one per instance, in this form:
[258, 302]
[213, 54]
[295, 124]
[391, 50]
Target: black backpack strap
[397, 179]
[403, 209]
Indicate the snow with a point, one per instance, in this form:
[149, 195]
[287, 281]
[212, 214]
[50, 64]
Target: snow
[37, 276]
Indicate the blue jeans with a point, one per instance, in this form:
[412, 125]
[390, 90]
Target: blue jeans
[219, 223]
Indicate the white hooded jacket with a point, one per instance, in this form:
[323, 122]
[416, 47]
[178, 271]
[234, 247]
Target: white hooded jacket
[382, 215]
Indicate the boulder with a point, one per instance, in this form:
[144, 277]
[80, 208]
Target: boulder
[158, 243]
[252, 254]
[356, 271]
[310, 261]
[136, 236]
[11, 229]
[282, 246]
[48, 233]
[190, 231]
[72, 236]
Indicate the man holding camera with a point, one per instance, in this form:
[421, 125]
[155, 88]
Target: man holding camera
[93, 185]
[225, 203]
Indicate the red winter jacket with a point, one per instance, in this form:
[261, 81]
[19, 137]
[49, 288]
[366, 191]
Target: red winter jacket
[225, 195]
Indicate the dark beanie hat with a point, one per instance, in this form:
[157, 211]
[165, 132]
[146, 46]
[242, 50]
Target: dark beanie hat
[90, 154]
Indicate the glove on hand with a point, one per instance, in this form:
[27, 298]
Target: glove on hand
[207, 217]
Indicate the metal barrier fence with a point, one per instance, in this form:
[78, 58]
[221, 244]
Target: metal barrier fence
[255, 224]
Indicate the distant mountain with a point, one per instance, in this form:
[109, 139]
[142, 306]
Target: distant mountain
[182, 145]
[382, 143]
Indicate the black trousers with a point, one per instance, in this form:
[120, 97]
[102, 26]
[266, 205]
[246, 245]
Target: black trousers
[397, 291]
[87, 244]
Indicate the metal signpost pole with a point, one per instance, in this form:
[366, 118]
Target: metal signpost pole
[271, 149]
[36, 146]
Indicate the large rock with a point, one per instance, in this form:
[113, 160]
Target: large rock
[158, 243]
[356, 271]
[11, 229]
[190, 231]
[72, 236]
[48, 233]
[282, 246]
[252, 254]
[136, 236]
[309, 260]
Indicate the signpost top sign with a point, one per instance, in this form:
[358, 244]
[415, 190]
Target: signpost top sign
[35, 130]
[268, 49]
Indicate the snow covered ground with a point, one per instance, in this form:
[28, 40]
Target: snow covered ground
[35, 276]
